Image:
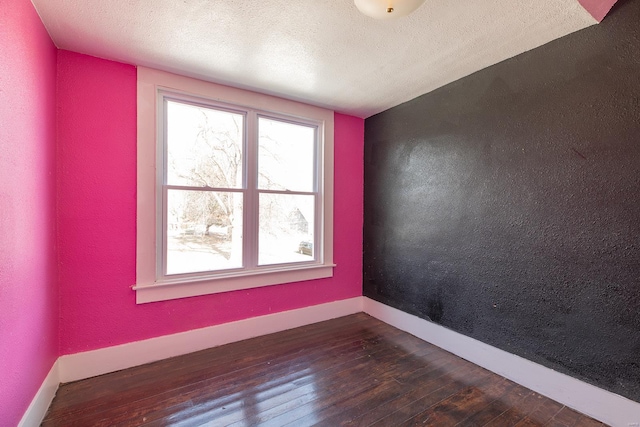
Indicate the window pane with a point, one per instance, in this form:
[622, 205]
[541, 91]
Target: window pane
[204, 146]
[286, 228]
[204, 231]
[286, 156]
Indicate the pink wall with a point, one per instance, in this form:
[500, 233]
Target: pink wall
[97, 208]
[28, 294]
[598, 8]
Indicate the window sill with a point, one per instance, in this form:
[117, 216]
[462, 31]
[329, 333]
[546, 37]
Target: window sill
[184, 288]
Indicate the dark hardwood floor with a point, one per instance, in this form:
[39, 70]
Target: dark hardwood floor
[351, 371]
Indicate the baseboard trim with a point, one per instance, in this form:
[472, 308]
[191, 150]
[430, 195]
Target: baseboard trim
[595, 402]
[39, 406]
[88, 364]
[600, 404]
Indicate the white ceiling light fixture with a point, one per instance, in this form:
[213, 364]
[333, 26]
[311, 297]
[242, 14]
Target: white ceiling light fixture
[387, 9]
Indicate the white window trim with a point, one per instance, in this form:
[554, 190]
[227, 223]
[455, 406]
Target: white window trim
[147, 287]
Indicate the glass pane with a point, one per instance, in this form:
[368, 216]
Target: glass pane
[204, 231]
[286, 228]
[286, 156]
[204, 146]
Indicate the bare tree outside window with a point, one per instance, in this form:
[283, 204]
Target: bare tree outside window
[286, 155]
[204, 167]
[204, 156]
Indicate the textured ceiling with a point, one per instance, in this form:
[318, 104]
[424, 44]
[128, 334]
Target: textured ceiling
[323, 52]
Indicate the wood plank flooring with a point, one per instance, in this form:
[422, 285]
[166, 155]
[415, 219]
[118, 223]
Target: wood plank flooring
[351, 371]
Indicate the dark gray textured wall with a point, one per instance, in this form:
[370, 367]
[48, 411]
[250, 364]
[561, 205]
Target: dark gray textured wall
[506, 205]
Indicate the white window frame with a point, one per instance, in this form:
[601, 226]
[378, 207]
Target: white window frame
[151, 285]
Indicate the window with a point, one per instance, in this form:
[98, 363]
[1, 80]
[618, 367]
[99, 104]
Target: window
[235, 189]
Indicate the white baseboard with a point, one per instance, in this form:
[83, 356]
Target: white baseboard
[88, 364]
[595, 402]
[40, 404]
[600, 404]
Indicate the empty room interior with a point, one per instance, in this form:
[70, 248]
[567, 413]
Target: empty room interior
[369, 212]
